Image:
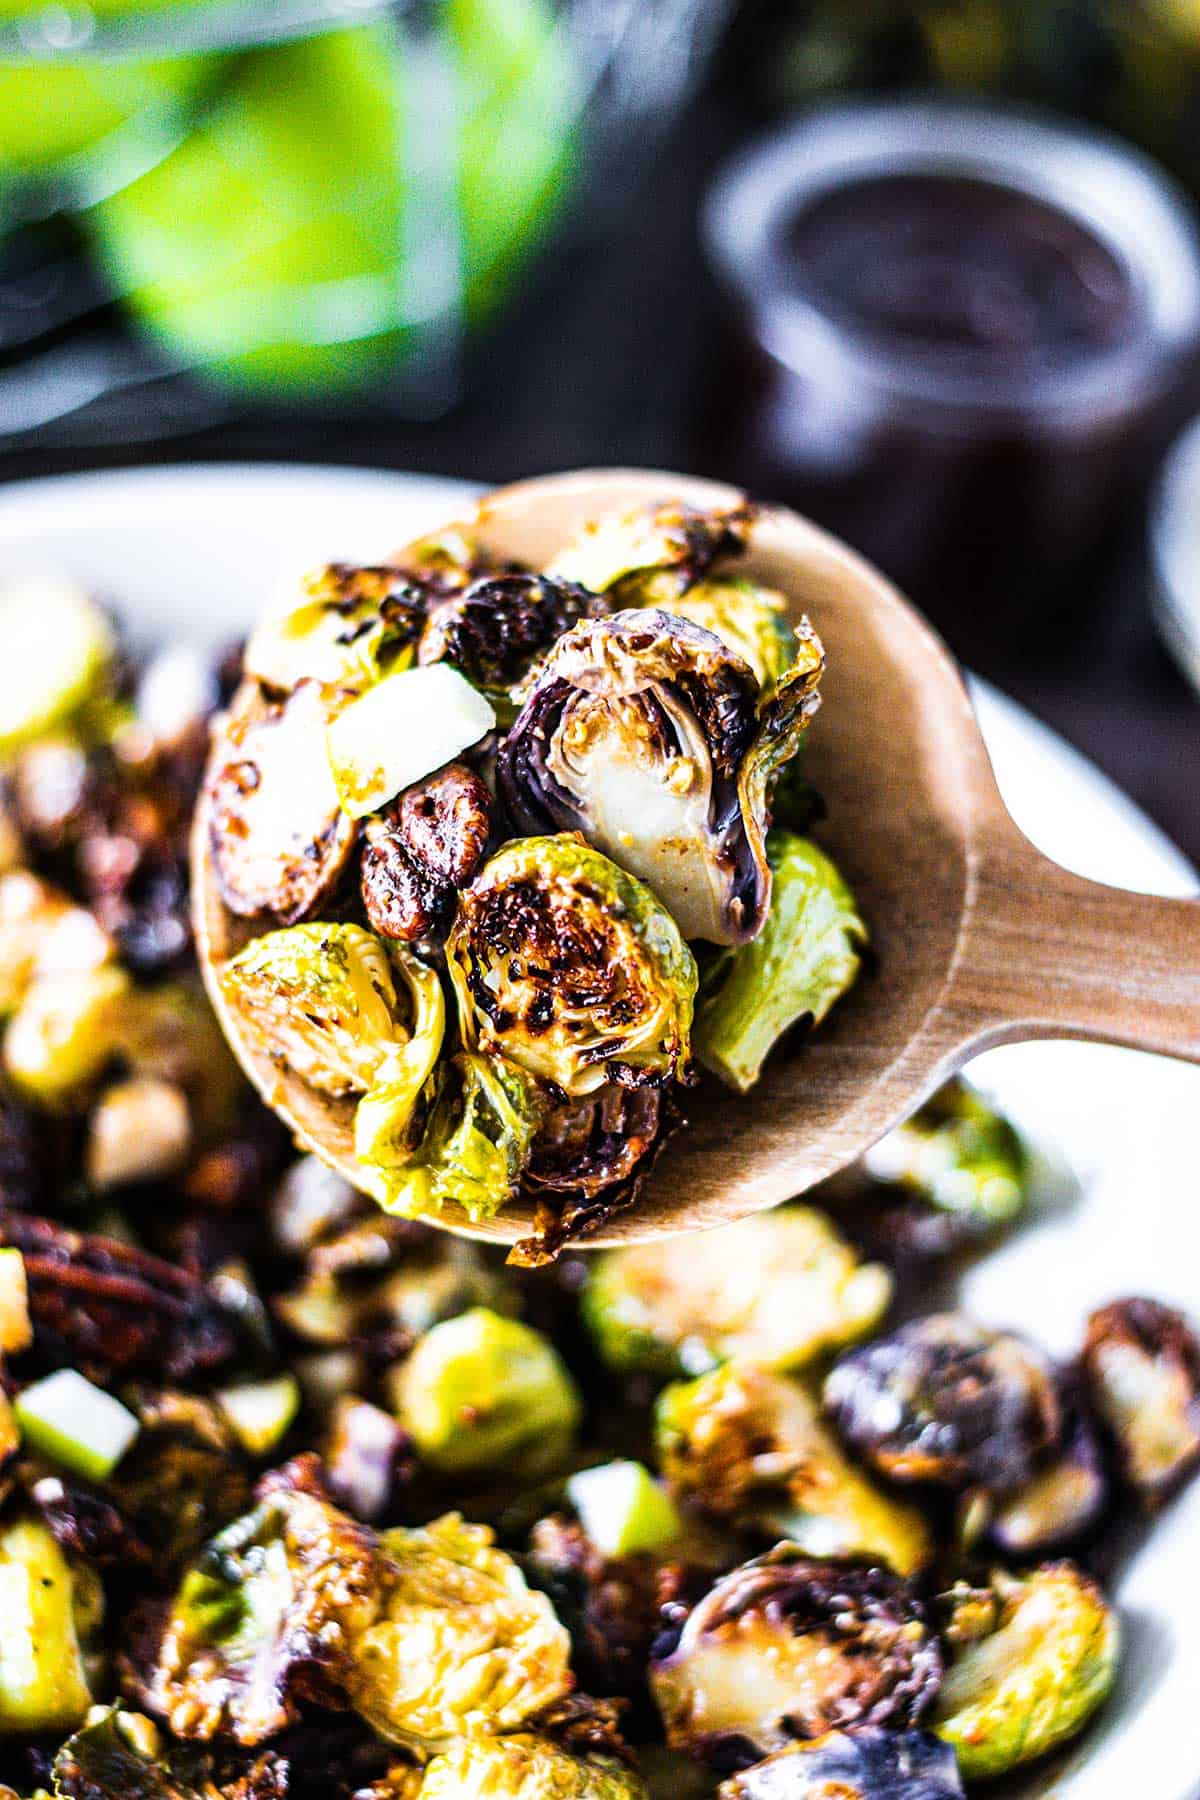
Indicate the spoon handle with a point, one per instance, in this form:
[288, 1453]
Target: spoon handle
[1049, 954]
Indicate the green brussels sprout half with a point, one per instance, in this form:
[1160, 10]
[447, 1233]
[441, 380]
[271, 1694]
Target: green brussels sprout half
[571, 968]
[353, 625]
[778, 1289]
[1032, 1682]
[483, 1115]
[461, 1645]
[283, 1591]
[653, 555]
[43, 1681]
[959, 1155]
[481, 1393]
[527, 1767]
[749, 620]
[804, 959]
[56, 648]
[750, 1446]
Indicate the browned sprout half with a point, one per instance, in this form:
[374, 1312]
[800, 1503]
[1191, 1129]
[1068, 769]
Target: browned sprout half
[1064, 1500]
[944, 1401]
[868, 1764]
[422, 849]
[352, 625]
[496, 630]
[654, 554]
[589, 1161]
[785, 1647]
[279, 839]
[1142, 1365]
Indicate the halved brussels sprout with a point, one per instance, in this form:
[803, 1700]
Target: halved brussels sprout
[461, 1645]
[279, 839]
[526, 1767]
[588, 1161]
[750, 1447]
[778, 1289]
[806, 956]
[483, 1114]
[1063, 1501]
[867, 1764]
[43, 933]
[571, 968]
[353, 625]
[500, 627]
[960, 1155]
[275, 1603]
[654, 554]
[750, 620]
[65, 1030]
[346, 1014]
[43, 1683]
[56, 647]
[1142, 1365]
[944, 1401]
[786, 1647]
[643, 731]
[481, 1393]
[1035, 1680]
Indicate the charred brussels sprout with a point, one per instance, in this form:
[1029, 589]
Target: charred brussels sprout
[778, 1289]
[571, 968]
[749, 620]
[279, 838]
[483, 1113]
[944, 1401]
[1142, 1365]
[268, 1613]
[1032, 1682]
[482, 1393]
[352, 626]
[461, 1645]
[653, 555]
[497, 629]
[868, 1764]
[1064, 1500]
[958, 1155]
[346, 1016]
[786, 1647]
[647, 734]
[589, 1160]
[526, 1767]
[43, 1684]
[750, 1447]
[804, 959]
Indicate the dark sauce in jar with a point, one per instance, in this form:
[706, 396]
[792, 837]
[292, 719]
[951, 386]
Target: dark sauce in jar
[953, 266]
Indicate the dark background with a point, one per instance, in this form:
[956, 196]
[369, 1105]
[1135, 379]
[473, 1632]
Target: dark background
[618, 354]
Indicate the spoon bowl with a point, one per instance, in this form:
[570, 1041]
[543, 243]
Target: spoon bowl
[977, 938]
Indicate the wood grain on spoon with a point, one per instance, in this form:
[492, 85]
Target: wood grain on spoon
[978, 938]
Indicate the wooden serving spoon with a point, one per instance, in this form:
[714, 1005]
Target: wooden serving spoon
[979, 939]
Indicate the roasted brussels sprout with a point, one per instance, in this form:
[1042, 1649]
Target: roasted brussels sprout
[1063, 1501]
[119, 1755]
[805, 957]
[483, 1112]
[653, 555]
[750, 1447]
[56, 647]
[501, 626]
[346, 1016]
[65, 1030]
[526, 1767]
[43, 933]
[777, 1289]
[786, 1647]
[461, 1645]
[589, 1160]
[352, 626]
[960, 1156]
[647, 734]
[571, 968]
[944, 1401]
[425, 847]
[43, 1682]
[867, 1764]
[482, 1393]
[280, 841]
[271, 1611]
[1033, 1681]
[749, 620]
[1142, 1365]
